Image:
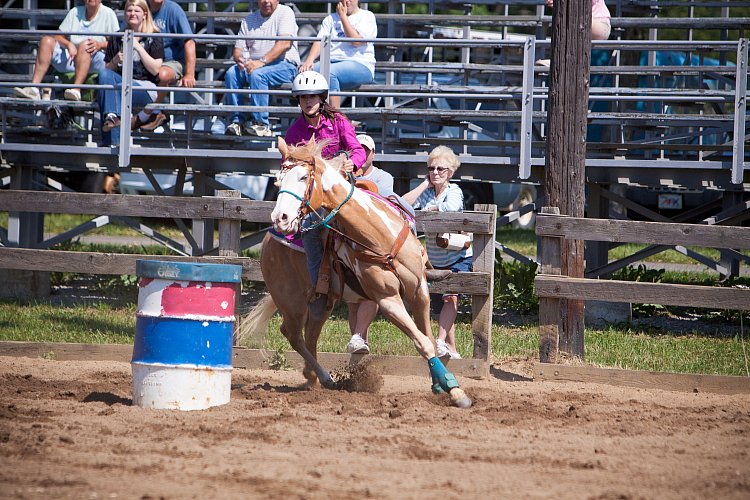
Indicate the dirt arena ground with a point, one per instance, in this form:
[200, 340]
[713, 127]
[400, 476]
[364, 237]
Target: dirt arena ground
[68, 430]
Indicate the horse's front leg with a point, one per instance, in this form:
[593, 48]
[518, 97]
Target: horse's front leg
[313, 327]
[443, 380]
[312, 369]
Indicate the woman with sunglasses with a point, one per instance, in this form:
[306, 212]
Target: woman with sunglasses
[437, 194]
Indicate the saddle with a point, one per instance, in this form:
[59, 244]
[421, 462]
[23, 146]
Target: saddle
[332, 264]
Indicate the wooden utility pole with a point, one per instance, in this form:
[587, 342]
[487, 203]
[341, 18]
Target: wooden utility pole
[566, 146]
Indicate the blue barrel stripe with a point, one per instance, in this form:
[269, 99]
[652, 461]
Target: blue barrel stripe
[188, 271]
[180, 341]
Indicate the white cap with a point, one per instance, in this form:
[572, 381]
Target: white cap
[366, 141]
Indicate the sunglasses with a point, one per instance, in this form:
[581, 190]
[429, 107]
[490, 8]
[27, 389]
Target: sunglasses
[439, 170]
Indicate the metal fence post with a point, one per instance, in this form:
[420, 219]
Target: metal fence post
[740, 108]
[126, 93]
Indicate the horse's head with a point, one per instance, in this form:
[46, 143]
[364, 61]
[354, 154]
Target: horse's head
[299, 193]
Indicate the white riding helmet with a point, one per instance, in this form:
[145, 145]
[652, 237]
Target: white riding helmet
[310, 83]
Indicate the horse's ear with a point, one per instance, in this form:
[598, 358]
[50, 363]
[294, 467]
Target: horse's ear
[283, 148]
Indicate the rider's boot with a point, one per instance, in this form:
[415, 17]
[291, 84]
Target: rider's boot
[318, 306]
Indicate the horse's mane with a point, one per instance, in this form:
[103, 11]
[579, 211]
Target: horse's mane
[311, 150]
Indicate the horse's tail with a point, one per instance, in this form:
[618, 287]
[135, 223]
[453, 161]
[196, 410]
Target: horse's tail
[254, 324]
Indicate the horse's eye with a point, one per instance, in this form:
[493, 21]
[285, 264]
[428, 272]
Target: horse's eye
[303, 178]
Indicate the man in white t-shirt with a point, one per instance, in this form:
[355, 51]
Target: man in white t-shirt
[261, 64]
[80, 54]
[352, 63]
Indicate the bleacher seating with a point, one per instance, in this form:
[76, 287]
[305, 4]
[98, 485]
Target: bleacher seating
[430, 89]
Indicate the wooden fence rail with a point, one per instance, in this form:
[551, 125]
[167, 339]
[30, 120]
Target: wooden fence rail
[551, 285]
[229, 210]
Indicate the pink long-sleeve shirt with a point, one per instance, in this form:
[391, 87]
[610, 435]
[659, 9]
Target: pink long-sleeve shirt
[340, 132]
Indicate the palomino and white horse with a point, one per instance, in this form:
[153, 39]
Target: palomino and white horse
[375, 242]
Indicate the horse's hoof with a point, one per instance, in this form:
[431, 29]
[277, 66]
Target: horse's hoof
[459, 398]
[328, 383]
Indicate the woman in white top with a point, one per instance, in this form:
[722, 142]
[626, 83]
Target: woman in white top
[436, 193]
[352, 63]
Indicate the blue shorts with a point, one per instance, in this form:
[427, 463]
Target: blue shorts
[462, 265]
[62, 62]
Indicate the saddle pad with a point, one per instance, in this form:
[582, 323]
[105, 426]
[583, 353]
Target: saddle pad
[393, 206]
[293, 241]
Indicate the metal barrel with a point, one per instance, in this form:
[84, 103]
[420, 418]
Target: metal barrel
[182, 355]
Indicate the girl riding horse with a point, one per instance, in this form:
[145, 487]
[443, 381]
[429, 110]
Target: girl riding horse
[321, 122]
[375, 242]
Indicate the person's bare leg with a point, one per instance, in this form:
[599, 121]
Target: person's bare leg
[82, 64]
[43, 58]
[365, 315]
[446, 326]
[167, 77]
[352, 316]
[335, 101]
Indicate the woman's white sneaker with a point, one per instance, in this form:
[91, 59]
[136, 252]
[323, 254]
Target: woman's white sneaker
[27, 93]
[357, 345]
[442, 349]
[72, 95]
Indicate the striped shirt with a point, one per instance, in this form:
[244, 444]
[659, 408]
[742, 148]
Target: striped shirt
[450, 200]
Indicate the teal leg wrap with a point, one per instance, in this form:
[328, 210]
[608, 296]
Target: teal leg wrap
[442, 379]
[436, 389]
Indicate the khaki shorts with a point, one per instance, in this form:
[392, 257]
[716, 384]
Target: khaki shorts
[175, 66]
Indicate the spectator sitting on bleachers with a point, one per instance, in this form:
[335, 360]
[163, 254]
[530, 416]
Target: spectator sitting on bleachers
[601, 25]
[79, 54]
[352, 63]
[179, 57]
[148, 55]
[261, 64]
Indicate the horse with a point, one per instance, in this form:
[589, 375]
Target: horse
[375, 242]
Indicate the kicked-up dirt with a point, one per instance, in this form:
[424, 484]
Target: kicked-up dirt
[69, 430]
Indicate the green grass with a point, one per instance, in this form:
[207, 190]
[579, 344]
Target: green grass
[621, 347]
[645, 348]
[94, 324]
[634, 350]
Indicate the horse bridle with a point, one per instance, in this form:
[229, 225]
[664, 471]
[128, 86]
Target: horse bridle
[305, 207]
[370, 255]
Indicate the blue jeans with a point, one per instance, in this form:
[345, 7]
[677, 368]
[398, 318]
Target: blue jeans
[263, 78]
[347, 75]
[110, 101]
[462, 265]
[313, 245]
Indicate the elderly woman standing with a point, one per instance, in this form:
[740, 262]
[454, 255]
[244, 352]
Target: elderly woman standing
[148, 54]
[445, 251]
